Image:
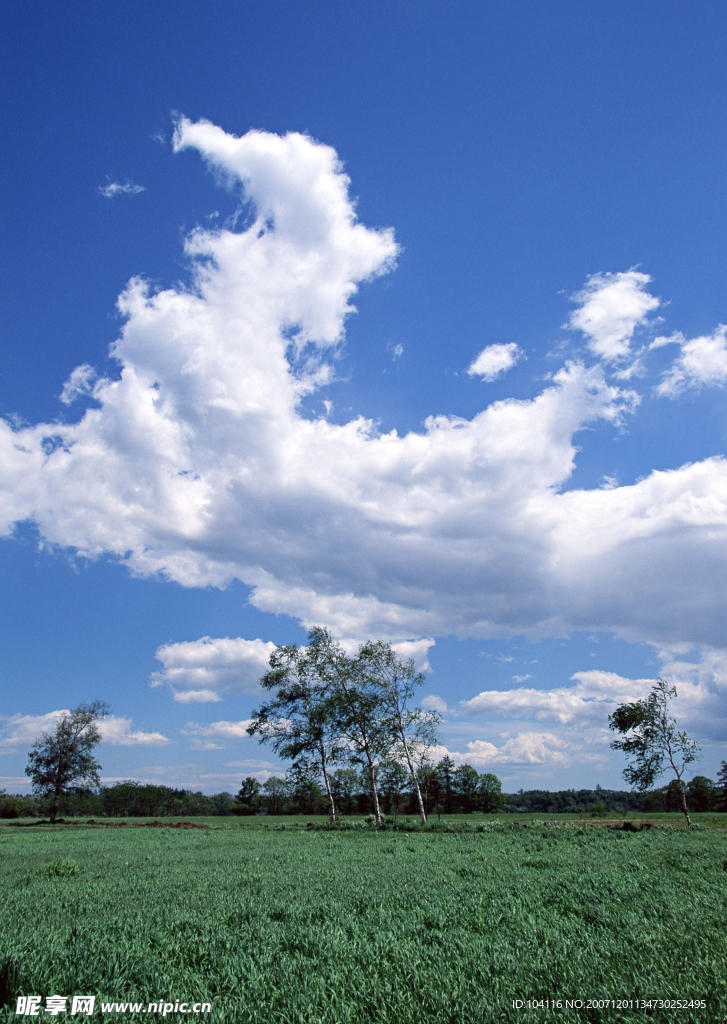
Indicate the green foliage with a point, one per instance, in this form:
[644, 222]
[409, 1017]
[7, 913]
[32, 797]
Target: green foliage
[651, 740]
[63, 762]
[367, 926]
[490, 793]
[247, 800]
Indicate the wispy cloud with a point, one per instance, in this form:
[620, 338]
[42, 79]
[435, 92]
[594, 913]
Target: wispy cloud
[217, 735]
[118, 188]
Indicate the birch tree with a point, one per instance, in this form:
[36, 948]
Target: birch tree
[355, 706]
[652, 742]
[298, 721]
[394, 682]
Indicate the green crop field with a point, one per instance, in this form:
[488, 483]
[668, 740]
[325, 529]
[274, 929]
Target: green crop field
[286, 924]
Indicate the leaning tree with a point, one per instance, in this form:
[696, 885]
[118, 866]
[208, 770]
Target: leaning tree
[652, 741]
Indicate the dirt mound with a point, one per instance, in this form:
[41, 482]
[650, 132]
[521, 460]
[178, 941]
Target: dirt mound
[112, 824]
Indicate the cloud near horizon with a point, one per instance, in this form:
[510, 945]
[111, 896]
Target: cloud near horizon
[197, 463]
[19, 731]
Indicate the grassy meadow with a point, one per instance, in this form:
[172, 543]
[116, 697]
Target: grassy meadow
[271, 921]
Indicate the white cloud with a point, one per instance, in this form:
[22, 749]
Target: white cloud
[217, 735]
[20, 731]
[17, 731]
[198, 464]
[434, 703]
[522, 679]
[79, 383]
[397, 352]
[494, 360]
[611, 308]
[591, 700]
[119, 732]
[117, 188]
[198, 671]
[526, 748]
[702, 361]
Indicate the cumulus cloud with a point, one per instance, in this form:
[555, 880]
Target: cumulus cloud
[119, 732]
[610, 309]
[18, 731]
[200, 670]
[593, 697]
[217, 735]
[702, 361]
[117, 188]
[524, 749]
[198, 464]
[494, 360]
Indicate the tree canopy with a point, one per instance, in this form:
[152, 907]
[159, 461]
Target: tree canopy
[652, 741]
[63, 762]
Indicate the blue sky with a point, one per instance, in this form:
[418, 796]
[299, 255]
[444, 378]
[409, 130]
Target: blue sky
[508, 458]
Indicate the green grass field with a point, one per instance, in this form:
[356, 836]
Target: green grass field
[286, 924]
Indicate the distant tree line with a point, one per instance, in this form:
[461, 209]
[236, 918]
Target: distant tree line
[445, 790]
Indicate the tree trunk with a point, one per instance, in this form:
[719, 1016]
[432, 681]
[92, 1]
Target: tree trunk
[412, 772]
[683, 794]
[374, 794]
[54, 807]
[331, 805]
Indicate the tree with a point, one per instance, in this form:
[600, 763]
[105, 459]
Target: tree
[445, 772]
[298, 721]
[62, 762]
[276, 792]
[465, 782]
[702, 793]
[427, 780]
[652, 741]
[305, 790]
[354, 705]
[345, 784]
[490, 793]
[722, 783]
[248, 797]
[393, 778]
[412, 730]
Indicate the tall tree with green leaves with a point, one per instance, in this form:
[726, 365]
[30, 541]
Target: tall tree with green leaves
[466, 782]
[298, 721]
[354, 706]
[276, 792]
[248, 797]
[393, 683]
[490, 793]
[62, 761]
[652, 741]
[445, 771]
